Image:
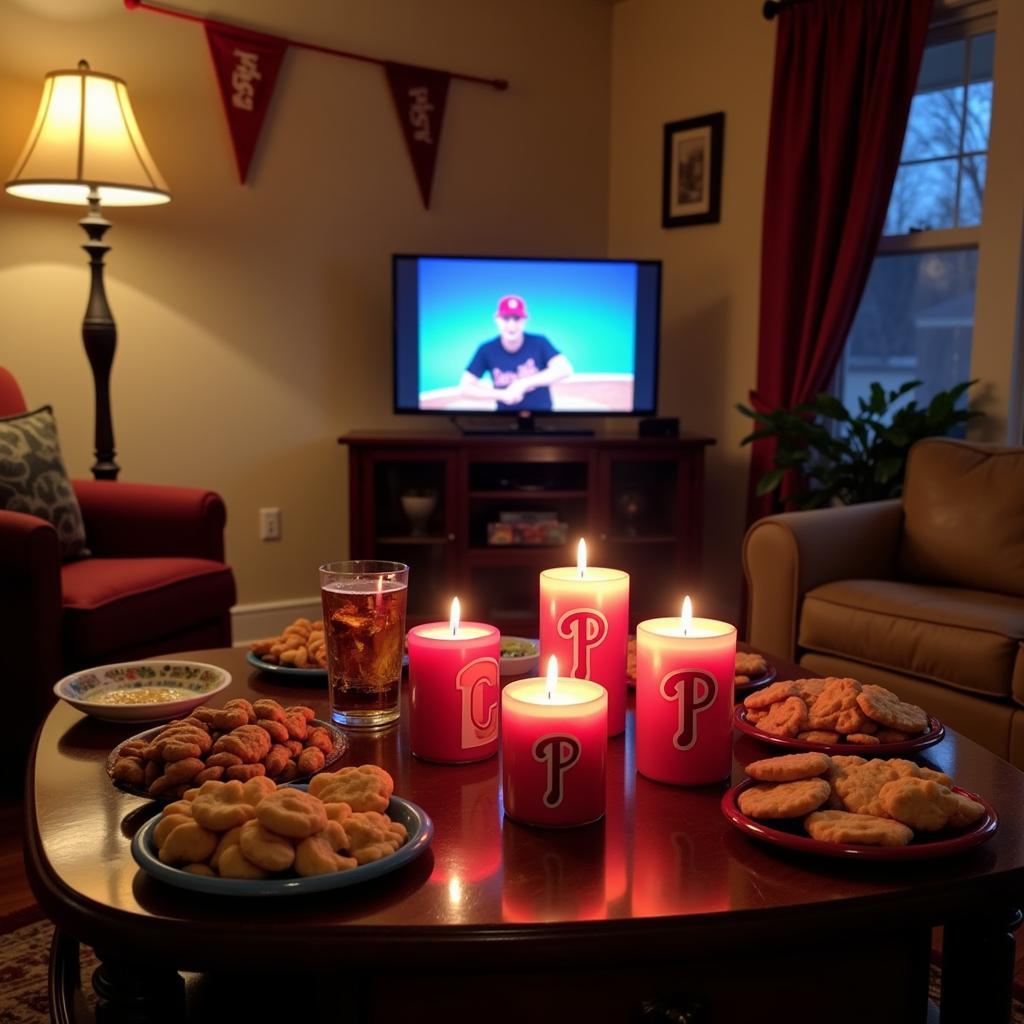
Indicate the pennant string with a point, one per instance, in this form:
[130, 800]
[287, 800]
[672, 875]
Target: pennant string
[131, 5]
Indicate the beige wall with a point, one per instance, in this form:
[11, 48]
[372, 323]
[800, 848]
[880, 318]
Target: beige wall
[254, 322]
[672, 61]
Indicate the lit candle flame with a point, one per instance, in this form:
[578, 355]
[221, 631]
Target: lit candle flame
[453, 619]
[552, 675]
[687, 615]
[581, 558]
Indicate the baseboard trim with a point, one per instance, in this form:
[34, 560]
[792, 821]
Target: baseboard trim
[251, 622]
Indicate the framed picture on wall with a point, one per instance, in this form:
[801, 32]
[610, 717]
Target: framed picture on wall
[692, 172]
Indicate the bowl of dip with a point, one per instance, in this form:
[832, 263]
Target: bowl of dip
[142, 691]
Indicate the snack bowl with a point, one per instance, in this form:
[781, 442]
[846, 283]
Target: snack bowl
[142, 691]
[417, 822]
[519, 656]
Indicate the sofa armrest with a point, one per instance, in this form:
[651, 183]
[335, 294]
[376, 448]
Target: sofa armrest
[30, 616]
[786, 555]
[148, 520]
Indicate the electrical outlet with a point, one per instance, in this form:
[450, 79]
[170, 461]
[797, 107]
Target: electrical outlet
[270, 524]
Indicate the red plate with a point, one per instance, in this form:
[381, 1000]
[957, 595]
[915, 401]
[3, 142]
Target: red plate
[757, 681]
[923, 847]
[936, 730]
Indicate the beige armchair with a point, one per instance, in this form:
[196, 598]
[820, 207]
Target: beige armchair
[924, 595]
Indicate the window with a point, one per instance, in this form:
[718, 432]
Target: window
[916, 317]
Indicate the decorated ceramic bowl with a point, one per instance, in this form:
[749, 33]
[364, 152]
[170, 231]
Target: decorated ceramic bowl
[519, 656]
[142, 691]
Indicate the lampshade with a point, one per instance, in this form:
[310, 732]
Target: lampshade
[86, 136]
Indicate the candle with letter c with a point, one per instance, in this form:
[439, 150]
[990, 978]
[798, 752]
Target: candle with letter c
[554, 745]
[454, 687]
[584, 619]
[685, 670]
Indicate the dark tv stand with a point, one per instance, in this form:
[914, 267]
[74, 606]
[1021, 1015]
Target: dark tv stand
[638, 501]
[524, 423]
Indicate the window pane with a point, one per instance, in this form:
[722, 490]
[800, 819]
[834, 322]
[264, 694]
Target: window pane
[923, 198]
[972, 189]
[979, 117]
[915, 322]
[933, 127]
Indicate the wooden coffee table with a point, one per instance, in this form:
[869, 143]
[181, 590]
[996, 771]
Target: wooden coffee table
[662, 906]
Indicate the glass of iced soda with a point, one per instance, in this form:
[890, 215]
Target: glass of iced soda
[364, 626]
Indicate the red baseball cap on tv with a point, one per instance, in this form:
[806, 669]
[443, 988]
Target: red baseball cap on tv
[512, 305]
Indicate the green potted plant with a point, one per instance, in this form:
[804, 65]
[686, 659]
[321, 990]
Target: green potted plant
[833, 455]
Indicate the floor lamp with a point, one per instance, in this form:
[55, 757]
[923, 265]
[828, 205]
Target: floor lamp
[86, 149]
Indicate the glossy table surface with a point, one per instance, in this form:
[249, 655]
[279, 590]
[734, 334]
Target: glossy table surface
[663, 867]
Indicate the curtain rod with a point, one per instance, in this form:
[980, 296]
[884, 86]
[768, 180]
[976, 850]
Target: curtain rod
[773, 7]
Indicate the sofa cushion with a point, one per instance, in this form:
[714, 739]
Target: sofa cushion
[963, 508]
[114, 603]
[33, 478]
[966, 639]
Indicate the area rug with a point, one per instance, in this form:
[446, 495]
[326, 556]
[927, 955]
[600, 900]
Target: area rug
[25, 962]
[24, 968]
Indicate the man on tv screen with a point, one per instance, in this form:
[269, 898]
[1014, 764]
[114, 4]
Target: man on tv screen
[521, 366]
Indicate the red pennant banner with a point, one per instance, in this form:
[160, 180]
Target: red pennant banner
[420, 95]
[246, 64]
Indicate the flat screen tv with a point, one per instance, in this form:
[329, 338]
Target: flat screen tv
[482, 335]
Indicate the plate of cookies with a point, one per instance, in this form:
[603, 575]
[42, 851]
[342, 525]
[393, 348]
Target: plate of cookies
[836, 716]
[298, 650]
[256, 838]
[855, 807]
[752, 670]
[237, 742]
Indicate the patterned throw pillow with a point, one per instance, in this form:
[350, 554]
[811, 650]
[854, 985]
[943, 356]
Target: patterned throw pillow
[33, 478]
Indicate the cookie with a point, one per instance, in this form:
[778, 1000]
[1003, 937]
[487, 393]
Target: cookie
[786, 718]
[784, 799]
[922, 804]
[750, 665]
[965, 811]
[859, 787]
[863, 738]
[808, 690]
[859, 829]
[884, 707]
[770, 694]
[789, 767]
[841, 764]
[819, 736]
[837, 700]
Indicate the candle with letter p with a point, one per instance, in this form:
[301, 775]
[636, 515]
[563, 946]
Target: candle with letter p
[554, 743]
[584, 619]
[453, 682]
[685, 670]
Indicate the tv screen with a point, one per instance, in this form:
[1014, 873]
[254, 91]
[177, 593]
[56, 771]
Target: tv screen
[525, 336]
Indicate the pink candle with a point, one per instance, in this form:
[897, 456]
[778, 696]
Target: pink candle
[584, 620]
[453, 681]
[553, 748]
[684, 699]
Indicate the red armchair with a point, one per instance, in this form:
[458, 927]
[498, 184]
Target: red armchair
[156, 583]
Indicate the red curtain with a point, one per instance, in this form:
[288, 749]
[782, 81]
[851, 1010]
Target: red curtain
[845, 72]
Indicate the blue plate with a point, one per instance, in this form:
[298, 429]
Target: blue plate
[413, 817]
[291, 670]
[285, 670]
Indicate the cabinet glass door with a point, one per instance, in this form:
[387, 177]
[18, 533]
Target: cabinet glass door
[413, 522]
